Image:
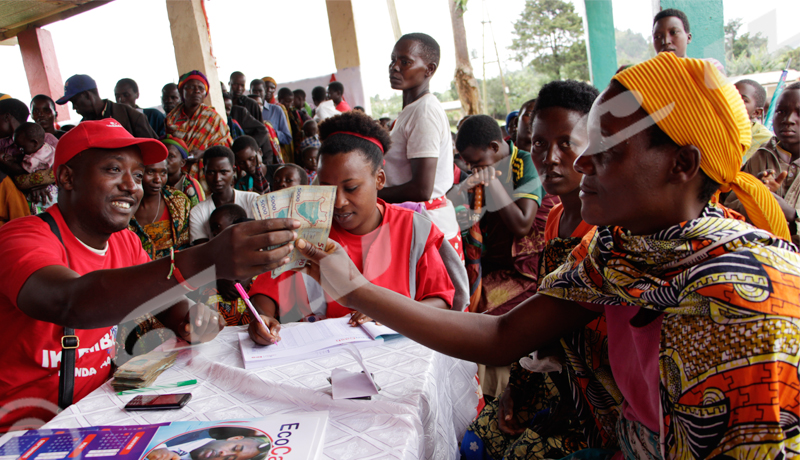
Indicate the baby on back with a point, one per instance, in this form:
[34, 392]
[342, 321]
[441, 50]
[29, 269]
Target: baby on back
[37, 154]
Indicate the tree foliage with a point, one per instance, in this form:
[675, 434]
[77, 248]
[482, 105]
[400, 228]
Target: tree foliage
[522, 85]
[549, 37]
[737, 45]
[390, 107]
[748, 54]
[632, 48]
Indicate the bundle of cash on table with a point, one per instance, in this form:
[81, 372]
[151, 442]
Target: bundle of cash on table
[312, 205]
[143, 370]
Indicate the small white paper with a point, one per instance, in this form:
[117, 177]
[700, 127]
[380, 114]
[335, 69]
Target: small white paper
[348, 385]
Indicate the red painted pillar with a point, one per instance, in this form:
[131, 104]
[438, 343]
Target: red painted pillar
[41, 65]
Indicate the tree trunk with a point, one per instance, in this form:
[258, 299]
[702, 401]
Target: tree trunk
[466, 84]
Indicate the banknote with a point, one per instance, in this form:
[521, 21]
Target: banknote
[143, 370]
[312, 205]
[273, 205]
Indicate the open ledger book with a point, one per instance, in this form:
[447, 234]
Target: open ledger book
[309, 340]
[297, 436]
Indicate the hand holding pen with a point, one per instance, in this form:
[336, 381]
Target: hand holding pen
[261, 333]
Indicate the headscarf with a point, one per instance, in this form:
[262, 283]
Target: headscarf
[691, 101]
[4, 96]
[192, 75]
[270, 80]
[178, 143]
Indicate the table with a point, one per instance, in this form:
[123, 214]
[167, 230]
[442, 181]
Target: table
[426, 402]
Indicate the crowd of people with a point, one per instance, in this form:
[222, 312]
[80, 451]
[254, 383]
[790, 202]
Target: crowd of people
[621, 262]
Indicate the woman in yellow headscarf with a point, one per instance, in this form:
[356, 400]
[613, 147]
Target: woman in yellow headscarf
[703, 311]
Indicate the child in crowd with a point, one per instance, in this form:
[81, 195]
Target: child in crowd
[671, 34]
[289, 175]
[777, 161]
[222, 294]
[419, 166]
[508, 424]
[503, 249]
[511, 125]
[301, 104]
[336, 93]
[311, 129]
[176, 175]
[37, 156]
[252, 173]
[286, 100]
[377, 236]
[524, 122]
[754, 97]
[309, 150]
[512, 236]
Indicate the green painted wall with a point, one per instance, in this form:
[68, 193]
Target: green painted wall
[707, 27]
[601, 44]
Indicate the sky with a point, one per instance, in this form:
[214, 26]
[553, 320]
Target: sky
[131, 38]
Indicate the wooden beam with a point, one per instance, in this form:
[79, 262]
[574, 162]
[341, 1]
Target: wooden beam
[51, 17]
[395, 21]
[343, 33]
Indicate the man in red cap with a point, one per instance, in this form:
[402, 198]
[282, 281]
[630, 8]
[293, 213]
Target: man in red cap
[79, 267]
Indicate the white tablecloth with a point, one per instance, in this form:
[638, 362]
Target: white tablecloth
[426, 401]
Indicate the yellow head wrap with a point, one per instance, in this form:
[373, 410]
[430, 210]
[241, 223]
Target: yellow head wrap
[694, 105]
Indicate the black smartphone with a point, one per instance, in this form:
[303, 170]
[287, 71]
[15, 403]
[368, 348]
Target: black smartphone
[159, 402]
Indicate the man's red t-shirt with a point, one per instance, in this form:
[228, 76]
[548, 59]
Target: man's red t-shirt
[383, 256]
[343, 106]
[32, 348]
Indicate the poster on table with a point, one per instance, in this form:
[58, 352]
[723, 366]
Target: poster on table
[291, 436]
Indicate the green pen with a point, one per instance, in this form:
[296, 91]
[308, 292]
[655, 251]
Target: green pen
[159, 387]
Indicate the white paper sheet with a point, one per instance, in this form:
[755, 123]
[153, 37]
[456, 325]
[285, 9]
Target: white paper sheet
[348, 385]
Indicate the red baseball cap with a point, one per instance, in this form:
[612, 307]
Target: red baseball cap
[105, 134]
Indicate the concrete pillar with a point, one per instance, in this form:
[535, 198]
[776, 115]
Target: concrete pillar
[193, 48]
[41, 65]
[706, 23]
[600, 42]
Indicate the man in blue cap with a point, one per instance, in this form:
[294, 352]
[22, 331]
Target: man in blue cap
[81, 90]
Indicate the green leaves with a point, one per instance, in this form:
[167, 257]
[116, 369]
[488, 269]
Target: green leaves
[746, 54]
[549, 37]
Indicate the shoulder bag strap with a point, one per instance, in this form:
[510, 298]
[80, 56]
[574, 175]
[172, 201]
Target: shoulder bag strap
[69, 341]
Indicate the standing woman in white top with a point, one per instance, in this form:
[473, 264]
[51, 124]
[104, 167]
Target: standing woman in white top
[220, 174]
[419, 165]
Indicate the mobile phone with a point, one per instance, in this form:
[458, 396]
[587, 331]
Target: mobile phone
[159, 402]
